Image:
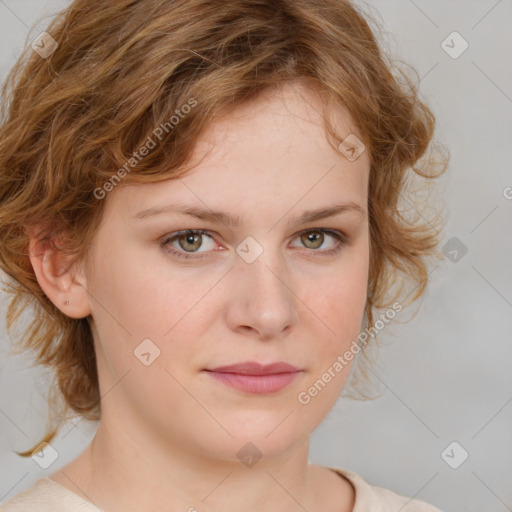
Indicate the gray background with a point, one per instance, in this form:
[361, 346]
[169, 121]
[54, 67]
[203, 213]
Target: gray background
[446, 374]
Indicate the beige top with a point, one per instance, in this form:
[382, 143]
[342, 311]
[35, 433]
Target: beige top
[46, 495]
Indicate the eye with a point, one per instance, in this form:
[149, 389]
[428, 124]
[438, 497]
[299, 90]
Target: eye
[315, 238]
[189, 241]
[186, 243]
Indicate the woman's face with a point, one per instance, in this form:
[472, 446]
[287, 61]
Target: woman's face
[259, 285]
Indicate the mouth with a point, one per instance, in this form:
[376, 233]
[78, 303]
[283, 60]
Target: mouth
[255, 378]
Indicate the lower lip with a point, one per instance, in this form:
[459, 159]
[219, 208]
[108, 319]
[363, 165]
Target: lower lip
[256, 384]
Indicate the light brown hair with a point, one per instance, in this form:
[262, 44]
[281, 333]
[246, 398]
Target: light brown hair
[122, 68]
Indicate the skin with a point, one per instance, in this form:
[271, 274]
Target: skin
[169, 433]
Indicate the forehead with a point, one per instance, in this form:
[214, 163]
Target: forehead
[286, 115]
[268, 152]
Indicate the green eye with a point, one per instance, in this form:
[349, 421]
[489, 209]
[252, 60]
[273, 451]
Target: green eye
[189, 242]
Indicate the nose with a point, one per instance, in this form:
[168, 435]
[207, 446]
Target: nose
[263, 303]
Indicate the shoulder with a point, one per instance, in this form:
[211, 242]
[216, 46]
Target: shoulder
[378, 499]
[45, 495]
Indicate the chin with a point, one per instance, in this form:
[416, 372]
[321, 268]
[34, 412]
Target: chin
[251, 444]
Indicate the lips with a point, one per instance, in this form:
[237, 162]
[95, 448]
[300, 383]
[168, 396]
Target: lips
[253, 368]
[255, 378]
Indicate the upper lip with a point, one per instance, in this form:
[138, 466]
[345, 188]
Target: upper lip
[254, 368]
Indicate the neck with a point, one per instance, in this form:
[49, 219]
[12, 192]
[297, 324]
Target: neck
[127, 470]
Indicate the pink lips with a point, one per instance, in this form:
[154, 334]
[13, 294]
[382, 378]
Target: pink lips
[255, 378]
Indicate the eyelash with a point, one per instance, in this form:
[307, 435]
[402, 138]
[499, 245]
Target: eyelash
[165, 243]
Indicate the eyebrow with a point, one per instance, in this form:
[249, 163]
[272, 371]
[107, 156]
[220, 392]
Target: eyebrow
[226, 218]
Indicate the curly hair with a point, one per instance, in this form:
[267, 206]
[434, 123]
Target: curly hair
[73, 118]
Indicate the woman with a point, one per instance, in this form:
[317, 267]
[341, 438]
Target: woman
[201, 200]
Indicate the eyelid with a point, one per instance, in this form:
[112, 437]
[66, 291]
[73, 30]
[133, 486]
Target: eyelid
[167, 239]
[341, 237]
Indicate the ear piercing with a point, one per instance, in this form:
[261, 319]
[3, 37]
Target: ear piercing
[66, 302]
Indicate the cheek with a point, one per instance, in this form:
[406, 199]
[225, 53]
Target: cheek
[141, 302]
[138, 298]
[339, 300]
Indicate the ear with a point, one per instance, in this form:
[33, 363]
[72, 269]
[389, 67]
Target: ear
[64, 284]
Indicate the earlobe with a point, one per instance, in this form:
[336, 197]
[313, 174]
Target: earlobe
[63, 283]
